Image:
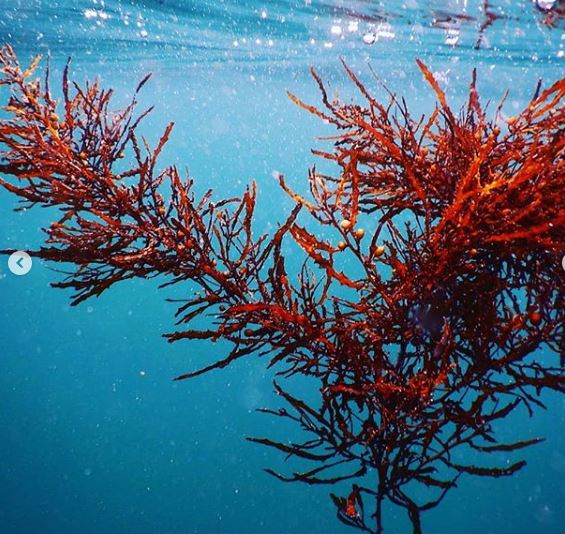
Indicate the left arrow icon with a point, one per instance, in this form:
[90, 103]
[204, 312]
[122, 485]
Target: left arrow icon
[20, 262]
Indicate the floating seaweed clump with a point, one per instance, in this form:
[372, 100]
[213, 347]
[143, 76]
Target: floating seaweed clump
[436, 312]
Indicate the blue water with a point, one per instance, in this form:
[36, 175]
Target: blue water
[94, 435]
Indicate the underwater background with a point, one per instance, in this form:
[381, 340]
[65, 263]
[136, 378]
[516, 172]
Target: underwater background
[94, 435]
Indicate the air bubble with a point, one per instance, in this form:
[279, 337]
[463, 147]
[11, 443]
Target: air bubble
[336, 30]
[546, 5]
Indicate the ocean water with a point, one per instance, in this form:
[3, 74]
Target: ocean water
[95, 437]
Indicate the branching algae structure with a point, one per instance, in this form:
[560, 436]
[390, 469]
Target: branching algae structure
[449, 318]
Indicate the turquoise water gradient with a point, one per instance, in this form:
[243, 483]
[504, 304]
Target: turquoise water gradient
[94, 435]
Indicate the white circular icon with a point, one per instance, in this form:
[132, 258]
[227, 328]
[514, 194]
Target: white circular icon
[20, 262]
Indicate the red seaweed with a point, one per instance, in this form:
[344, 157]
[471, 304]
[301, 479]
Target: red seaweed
[447, 318]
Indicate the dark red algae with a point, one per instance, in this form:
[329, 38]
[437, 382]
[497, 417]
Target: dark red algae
[449, 316]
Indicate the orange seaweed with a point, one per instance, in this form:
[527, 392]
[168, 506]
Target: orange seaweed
[458, 283]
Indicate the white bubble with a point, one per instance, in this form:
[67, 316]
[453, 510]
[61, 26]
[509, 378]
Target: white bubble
[385, 30]
[452, 37]
[545, 5]
[353, 26]
[336, 29]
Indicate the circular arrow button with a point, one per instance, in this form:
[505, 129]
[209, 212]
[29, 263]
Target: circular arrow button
[20, 262]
